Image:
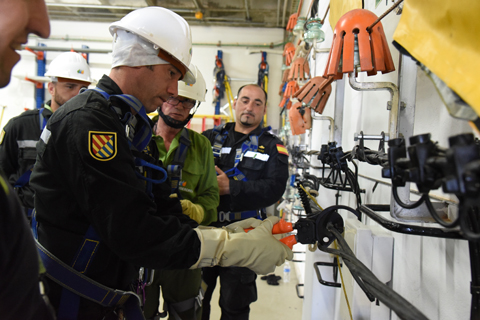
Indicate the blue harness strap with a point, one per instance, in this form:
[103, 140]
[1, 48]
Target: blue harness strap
[73, 279]
[242, 215]
[248, 145]
[138, 141]
[42, 120]
[176, 167]
[82, 286]
[24, 178]
[235, 173]
[219, 141]
[70, 301]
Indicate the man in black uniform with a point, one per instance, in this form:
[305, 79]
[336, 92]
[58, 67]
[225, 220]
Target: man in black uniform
[101, 206]
[69, 73]
[20, 296]
[252, 168]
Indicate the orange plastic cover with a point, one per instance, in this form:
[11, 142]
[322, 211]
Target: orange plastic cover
[373, 47]
[297, 124]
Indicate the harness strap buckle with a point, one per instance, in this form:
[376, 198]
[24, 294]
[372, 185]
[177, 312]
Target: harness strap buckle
[223, 216]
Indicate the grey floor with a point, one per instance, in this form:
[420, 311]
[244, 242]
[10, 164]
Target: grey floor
[274, 302]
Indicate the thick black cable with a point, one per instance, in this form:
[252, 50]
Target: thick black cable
[404, 205]
[331, 209]
[385, 294]
[410, 229]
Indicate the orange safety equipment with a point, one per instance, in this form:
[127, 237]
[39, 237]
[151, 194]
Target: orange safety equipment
[285, 75]
[292, 21]
[307, 118]
[297, 124]
[300, 70]
[373, 46]
[288, 53]
[315, 93]
[292, 87]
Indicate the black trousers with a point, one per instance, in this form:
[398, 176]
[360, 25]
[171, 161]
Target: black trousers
[237, 291]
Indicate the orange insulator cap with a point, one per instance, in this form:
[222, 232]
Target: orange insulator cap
[374, 53]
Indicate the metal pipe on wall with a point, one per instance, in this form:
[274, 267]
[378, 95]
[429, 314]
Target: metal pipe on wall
[392, 105]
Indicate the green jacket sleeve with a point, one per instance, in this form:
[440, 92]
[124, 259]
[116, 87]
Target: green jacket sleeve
[200, 167]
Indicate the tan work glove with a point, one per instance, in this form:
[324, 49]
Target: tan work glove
[194, 211]
[241, 225]
[257, 250]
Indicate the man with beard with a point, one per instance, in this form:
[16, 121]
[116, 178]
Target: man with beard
[102, 198]
[69, 72]
[252, 168]
[191, 169]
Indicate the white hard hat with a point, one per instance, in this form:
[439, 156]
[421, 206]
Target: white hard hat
[166, 30]
[69, 65]
[195, 91]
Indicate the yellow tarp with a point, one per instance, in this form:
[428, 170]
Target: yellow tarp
[444, 35]
[339, 7]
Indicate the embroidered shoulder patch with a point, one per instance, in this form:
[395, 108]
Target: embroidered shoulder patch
[282, 150]
[102, 145]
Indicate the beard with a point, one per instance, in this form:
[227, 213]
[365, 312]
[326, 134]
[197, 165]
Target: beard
[247, 121]
[60, 101]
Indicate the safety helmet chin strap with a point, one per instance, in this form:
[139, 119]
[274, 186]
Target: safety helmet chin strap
[177, 124]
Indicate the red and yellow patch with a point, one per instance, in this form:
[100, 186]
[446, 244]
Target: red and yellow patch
[102, 145]
[281, 149]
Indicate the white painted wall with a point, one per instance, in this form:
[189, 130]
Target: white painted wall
[241, 62]
[432, 274]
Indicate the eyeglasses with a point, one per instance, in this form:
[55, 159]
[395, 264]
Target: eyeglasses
[187, 103]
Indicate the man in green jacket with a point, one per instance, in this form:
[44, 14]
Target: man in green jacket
[188, 157]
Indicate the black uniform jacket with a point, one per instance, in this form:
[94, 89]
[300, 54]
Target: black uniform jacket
[267, 178]
[19, 292]
[17, 149]
[75, 187]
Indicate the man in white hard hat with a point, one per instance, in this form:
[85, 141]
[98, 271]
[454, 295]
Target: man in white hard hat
[191, 169]
[69, 72]
[102, 201]
[19, 286]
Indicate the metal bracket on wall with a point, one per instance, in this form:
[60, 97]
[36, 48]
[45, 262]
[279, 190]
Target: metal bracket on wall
[298, 291]
[334, 265]
[407, 84]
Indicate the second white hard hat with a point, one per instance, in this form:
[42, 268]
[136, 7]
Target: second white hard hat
[195, 91]
[69, 65]
[168, 31]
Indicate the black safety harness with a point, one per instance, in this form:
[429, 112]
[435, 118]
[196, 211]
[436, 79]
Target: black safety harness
[234, 173]
[72, 278]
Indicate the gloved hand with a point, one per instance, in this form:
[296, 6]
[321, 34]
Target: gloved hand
[257, 250]
[194, 211]
[241, 225]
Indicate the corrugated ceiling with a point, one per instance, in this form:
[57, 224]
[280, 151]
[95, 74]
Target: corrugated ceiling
[240, 13]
